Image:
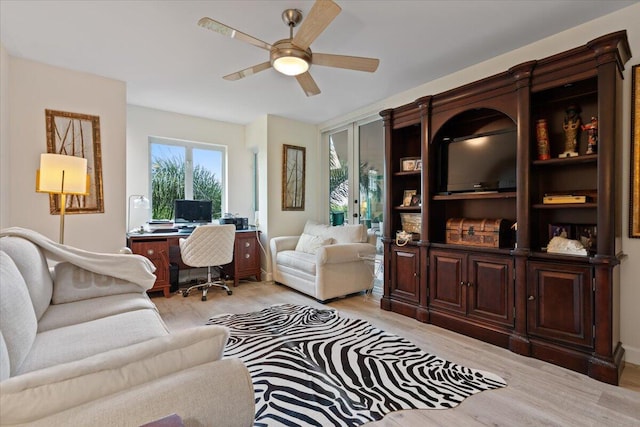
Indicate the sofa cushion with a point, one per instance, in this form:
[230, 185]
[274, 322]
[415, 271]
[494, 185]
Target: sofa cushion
[48, 391]
[17, 316]
[73, 283]
[75, 342]
[297, 260]
[348, 233]
[59, 315]
[34, 269]
[310, 244]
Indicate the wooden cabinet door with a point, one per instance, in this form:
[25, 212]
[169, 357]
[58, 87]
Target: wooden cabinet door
[447, 284]
[247, 255]
[560, 302]
[405, 273]
[490, 288]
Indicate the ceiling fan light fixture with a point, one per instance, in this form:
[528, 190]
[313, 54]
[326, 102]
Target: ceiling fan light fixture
[291, 65]
[289, 59]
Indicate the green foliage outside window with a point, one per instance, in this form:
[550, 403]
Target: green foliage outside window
[167, 185]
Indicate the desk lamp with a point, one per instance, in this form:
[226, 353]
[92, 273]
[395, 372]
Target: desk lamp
[61, 174]
[137, 202]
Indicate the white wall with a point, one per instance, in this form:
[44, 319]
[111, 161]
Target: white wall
[284, 131]
[34, 87]
[626, 18]
[145, 122]
[4, 138]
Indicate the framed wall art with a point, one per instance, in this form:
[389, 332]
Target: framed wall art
[75, 134]
[634, 183]
[293, 176]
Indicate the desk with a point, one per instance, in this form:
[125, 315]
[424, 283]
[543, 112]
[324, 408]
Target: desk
[162, 249]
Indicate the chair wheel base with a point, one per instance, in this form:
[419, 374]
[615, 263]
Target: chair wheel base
[229, 292]
[204, 298]
[185, 294]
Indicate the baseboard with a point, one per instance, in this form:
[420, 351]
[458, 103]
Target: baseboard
[631, 354]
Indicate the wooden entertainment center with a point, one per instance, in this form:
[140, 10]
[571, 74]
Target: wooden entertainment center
[555, 307]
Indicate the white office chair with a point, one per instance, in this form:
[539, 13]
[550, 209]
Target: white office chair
[209, 246]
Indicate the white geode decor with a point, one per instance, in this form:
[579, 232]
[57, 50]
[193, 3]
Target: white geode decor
[562, 245]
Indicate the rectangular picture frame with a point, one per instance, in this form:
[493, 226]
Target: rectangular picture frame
[407, 196]
[293, 177]
[564, 230]
[587, 234]
[76, 134]
[634, 179]
[408, 164]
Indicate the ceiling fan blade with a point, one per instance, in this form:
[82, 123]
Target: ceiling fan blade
[225, 30]
[357, 63]
[320, 16]
[248, 71]
[307, 83]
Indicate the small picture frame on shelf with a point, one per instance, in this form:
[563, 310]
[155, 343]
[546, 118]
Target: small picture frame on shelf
[408, 164]
[587, 235]
[418, 165]
[408, 197]
[415, 200]
[562, 230]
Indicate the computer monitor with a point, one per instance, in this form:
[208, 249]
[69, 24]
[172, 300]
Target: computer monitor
[192, 211]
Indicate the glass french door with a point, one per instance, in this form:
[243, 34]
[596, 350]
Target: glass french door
[356, 179]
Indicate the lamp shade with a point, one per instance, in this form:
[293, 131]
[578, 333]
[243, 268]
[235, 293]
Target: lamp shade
[60, 174]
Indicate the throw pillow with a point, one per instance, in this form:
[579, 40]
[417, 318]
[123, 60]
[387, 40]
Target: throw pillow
[310, 244]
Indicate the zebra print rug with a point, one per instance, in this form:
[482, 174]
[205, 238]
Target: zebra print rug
[312, 367]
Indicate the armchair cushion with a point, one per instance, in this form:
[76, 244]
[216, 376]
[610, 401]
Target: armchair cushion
[310, 244]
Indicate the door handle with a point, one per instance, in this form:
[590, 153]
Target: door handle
[531, 297]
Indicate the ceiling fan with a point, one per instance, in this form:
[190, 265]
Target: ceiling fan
[292, 56]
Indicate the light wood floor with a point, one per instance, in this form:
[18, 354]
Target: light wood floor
[537, 393]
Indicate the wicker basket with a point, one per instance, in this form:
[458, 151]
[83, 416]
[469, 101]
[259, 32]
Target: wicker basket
[411, 223]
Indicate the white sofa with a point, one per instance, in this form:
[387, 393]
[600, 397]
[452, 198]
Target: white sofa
[324, 262]
[83, 347]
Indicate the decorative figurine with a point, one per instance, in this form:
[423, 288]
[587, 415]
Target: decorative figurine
[571, 128]
[592, 131]
[543, 140]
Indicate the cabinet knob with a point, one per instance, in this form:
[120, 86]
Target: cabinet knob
[150, 251]
[469, 284]
[531, 297]
[247, 244]
[247, 256]
[462, 283]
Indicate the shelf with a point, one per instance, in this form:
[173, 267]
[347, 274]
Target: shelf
[478, 195]
[586, 158]
[408, 208]
[405, 173]
[565, 206]
[500, 251]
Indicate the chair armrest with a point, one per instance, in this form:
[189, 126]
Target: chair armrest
[283, 243]
[38, 394]
[344, 252]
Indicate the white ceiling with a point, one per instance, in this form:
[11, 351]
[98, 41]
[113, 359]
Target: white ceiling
[170, 63]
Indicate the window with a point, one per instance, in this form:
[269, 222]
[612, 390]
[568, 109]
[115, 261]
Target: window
[185, 170]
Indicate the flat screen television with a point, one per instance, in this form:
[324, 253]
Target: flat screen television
[192, 211]
[480, 162]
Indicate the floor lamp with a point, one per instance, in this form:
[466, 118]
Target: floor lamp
[61, 174]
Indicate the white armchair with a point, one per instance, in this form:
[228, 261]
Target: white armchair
[324, 262]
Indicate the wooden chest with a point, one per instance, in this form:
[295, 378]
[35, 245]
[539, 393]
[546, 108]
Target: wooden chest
[488, 233]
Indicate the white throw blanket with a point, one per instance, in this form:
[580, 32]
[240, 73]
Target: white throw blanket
[131, 268]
